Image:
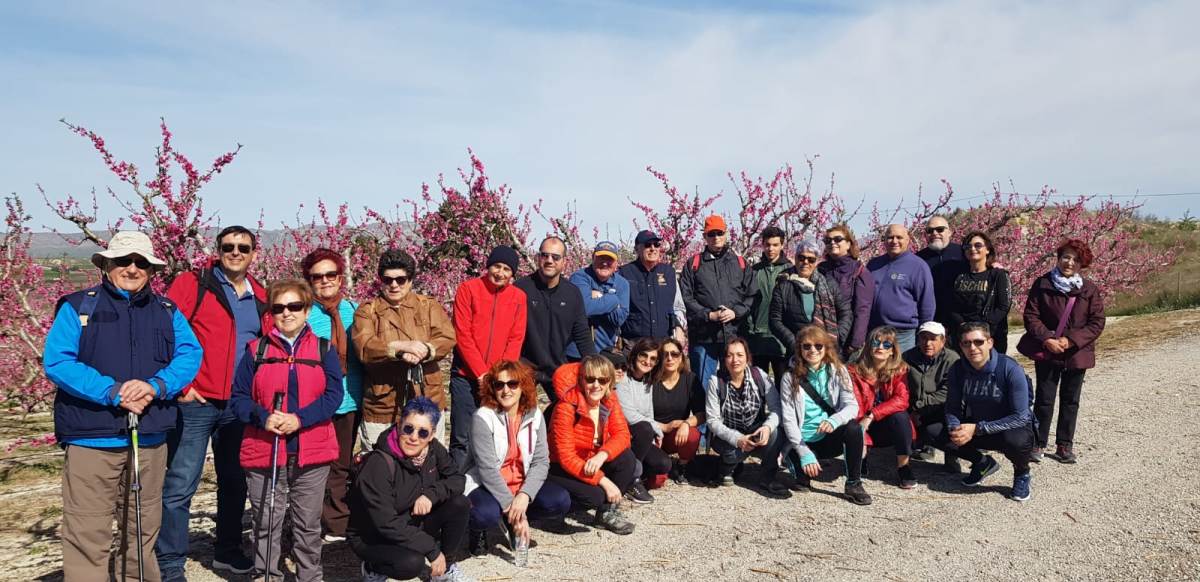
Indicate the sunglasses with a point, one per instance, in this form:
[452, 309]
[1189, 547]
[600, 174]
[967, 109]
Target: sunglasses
[402, 280]
[885, 344]
[422, 433]
[596, 380]
[806, 259]
[127, 260]
[671, 354]
[654, 245]
[812, 347]
[714, 233]
[648, 356]
[556, 257]
[975, 342]
[326, 276]
[499, 385]
[241, 248]
[294, 307]
[937, 229]
[834, 240]
[978, 246]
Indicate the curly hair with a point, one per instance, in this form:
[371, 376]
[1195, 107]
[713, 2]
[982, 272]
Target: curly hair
[987, 244]
[516, 371]
[397, 259]
[322, 254]
[422, 405]
[1083, 253]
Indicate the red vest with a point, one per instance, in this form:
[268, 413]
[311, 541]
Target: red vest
[318, 443]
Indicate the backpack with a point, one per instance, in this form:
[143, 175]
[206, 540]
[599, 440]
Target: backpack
[322, 349]
[1028, 384]
[723, 391]
[696, 262]
[360, 459]
[90, 298]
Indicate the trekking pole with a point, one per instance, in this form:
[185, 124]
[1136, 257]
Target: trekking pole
[278, 404]
[136, 485]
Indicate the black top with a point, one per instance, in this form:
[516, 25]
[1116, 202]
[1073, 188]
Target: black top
[555, 318]
[985, 296]
[685, 399]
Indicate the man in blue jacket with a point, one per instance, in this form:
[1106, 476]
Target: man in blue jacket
[605, 298]
[114, 351]
[655, 304]
[988, 408]
[904, 294]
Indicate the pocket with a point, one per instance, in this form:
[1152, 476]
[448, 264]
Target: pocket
[162, 347]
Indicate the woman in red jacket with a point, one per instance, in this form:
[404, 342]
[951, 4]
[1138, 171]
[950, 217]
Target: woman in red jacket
[1064, 316]
[881, 387]
[589, 444]
[287, 387]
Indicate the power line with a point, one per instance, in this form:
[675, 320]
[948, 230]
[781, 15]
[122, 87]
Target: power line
[956, 199]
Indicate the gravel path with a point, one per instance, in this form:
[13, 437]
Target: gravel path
[1130, 510]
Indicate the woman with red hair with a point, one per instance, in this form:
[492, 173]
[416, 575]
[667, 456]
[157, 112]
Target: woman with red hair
[510, 459]
[1064, 315]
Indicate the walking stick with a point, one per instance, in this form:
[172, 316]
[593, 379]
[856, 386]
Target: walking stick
[278, 404]
[136, 486]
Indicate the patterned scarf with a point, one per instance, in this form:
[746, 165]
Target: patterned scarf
[1065, 285]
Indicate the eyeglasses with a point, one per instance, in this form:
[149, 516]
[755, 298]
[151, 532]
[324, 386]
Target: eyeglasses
[402, 280]
[127, 260]
[975, 342]
[326, 276]
[648, 356]
[499, 385]
[885, 344]
[714, 233]
[422, 433]
[937, 229]
[671, 354]
[834, 240]
[556, 257]
[978, 246]
[294, 307]
[241, 248]
[597, 380]
[806, 259]
[812, 347]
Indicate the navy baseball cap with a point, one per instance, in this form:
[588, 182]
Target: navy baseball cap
[646, 236]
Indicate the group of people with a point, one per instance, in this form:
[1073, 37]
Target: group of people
[788, 359]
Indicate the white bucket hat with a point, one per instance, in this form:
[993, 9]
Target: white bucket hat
[125, 243]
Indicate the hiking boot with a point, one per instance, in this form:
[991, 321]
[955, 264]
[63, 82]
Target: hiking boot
[907, 479]
[980, 470]
[369, 576]
[477, 542]
[924, 454]
[856, 493]
[772, 488]
[611, 519]
[236, 563]
[1036, 455]
[726, 480]
[800, 483]
[453, 574]
[1022, 487]
[1064, 454]
[637, 494]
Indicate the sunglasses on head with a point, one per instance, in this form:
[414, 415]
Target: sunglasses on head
[125, 261]
[326, 276]
[831, 240]
[402, 280]
[556, 257]
[937, 229]
[241, 248]
[975, 342]
[885, 344]
[714, 233]
[422, 433]
[499, 385]
[596, 380]
[806, 259]
[294, 307]
[806, 347]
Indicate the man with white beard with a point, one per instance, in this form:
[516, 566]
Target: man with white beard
[946, 262]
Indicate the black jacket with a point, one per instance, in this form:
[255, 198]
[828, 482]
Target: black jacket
[556, 318]
[385, 488]
[944, 266]
[716, 280]
[830, 310]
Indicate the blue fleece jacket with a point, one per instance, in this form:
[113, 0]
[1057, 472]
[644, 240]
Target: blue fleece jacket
[606, 313]
[995, 398]
[904, 296]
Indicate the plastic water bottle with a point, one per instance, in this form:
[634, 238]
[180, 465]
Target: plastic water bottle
[521, 553]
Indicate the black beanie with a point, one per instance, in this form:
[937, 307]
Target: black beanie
[506, 255]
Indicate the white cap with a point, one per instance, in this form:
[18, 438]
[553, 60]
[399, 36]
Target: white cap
[932, 327]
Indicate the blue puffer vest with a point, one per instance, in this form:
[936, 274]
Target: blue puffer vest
[124, 339]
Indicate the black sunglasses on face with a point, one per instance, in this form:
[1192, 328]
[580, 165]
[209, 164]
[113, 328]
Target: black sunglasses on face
[812, 347]
[937, 229]
[975, 342]
[422, 433]
[499, 385]
[242, 248]
[127, 260]
[714, 233]
[806, 259]
[831, 240]
[596, 380]
[326, 276]
[978, 246]
[402, 280]
[654, 245]
[552, 256]
[294, 307]
[671, 355]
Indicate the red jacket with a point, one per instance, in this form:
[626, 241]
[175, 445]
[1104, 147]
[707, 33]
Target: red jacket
[489, 324]
[894, 396]
[318, 443]
[571, 431]
[212, 322]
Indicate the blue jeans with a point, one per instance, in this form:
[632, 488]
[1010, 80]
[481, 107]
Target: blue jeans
[187, 446]
[551, 502]
[907, 338]
[705, 359]
[463, 404]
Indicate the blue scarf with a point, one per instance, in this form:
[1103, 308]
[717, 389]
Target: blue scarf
[1065, 284]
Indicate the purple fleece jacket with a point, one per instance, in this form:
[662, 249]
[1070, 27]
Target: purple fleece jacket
[903, 291]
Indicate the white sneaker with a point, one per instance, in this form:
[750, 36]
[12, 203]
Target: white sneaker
[453, 574]
[332, 539]
[369, 576]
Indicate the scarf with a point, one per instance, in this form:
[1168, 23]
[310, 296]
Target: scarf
[394, 445]
[843, 270]
[337, 331]
[1063, 284]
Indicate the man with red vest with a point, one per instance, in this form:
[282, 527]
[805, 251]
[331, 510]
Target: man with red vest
[225, 307]
[489, 322]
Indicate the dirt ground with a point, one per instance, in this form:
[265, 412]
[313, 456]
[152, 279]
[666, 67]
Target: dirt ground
[1129, 510]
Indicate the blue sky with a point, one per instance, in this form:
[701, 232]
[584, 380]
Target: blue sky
[363, 101]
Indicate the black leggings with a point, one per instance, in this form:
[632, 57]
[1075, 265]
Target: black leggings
[844, 440]
[895, 431]
[619, 470]
[1015, 444]
[1069, 385]
[654, 460]
[447, 523]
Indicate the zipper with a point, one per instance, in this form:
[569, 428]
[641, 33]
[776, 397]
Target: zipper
[487, 354]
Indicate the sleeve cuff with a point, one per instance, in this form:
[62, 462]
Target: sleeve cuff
[807, 459]
[162, 386]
